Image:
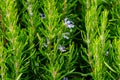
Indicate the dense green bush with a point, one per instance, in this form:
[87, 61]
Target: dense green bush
[59, 40]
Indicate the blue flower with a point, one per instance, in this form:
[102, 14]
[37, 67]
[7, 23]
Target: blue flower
[61, 48]
[42, 15]
[68, 23]
[65, 78]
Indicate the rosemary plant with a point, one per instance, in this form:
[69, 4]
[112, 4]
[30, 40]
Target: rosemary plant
[59, 40]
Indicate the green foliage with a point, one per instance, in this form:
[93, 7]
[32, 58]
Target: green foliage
[59, 40]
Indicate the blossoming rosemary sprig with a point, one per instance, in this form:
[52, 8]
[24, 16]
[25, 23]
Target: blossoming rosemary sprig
[57, 43]
[37, 39]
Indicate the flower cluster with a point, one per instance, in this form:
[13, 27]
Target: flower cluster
[70, 25]
[66, 35]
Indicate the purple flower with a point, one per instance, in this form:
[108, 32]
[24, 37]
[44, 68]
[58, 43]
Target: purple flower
[61, 48]
[42, 15]
[65, 78]
[68, 23]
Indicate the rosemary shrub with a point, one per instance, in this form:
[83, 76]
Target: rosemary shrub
[59, 40]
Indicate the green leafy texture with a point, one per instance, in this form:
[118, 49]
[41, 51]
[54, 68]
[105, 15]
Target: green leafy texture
[15, 42]
[30, 43]
[3, 55]
[116, 67]
[95, 38]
